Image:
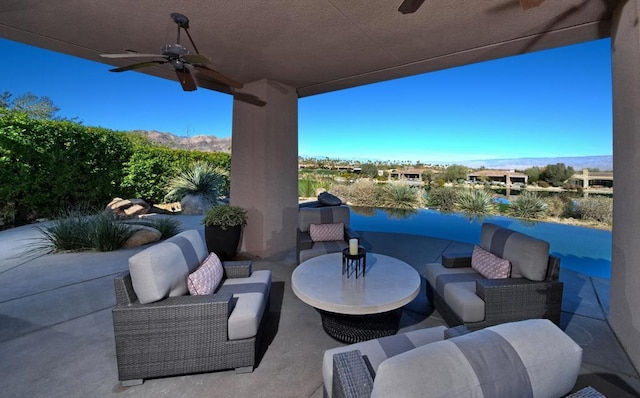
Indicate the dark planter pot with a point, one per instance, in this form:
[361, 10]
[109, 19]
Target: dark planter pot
[224, 243]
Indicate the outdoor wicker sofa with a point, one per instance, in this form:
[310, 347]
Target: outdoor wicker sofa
[161, 330]
[531, 358]
[464, 296]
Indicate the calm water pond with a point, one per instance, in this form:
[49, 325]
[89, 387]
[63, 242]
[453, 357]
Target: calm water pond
[580, 249]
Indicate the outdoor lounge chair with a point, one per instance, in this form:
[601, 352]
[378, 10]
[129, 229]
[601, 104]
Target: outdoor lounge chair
[330, 238]
[465, 296]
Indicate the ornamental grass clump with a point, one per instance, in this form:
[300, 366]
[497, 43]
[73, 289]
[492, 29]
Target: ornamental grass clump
[307, 187]
[107, 233]
[476, 203]
[200, 179]
[167, 226]
[401, 196]
[528, 205]
[71, 232]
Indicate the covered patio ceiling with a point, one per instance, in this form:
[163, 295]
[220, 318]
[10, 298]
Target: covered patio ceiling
[314, 46]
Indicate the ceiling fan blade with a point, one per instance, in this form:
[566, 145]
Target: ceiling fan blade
[212, 74]
[132, 55]
[526, 4]
[410, 6]
[196, 59]
[137, 66]
[248, 98]
[185, 79]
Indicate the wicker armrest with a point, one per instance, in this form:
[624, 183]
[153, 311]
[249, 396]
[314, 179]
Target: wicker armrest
[456, 260]
[351, 377]
[304, 240]
[351, 234]
[587, 392]
[237, 269]
[456, 331]
[168, 318]
[519, 298]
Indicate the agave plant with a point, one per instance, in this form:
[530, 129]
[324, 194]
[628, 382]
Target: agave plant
[476, 202]
[528, 205]
[307, 188]
[203, 179]
[401, 196]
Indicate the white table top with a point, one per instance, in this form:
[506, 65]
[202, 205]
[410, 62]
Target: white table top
[388, 284]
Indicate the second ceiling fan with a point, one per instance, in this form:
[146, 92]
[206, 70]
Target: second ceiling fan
[411, 6]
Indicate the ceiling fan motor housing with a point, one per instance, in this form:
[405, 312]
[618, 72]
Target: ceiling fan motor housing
[175, 50]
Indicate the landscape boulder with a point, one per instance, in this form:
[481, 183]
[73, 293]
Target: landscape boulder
[194, 205]
[142, 235]
[327, 199]
[128, 207]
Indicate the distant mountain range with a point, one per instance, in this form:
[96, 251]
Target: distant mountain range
[206, 143]
[604, 163]
[210, 143]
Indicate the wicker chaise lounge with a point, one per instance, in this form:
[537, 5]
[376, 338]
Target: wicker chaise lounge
[464, 296]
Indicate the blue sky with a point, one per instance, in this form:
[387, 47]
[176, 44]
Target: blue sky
[544, 104]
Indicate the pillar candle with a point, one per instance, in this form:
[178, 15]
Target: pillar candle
[353, 246]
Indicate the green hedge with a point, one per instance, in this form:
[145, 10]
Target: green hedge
[49, 165]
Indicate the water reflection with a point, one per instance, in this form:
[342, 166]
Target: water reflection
[581, 249]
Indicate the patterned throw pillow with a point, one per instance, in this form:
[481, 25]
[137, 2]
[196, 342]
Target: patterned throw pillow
[326, 232]
[489, 265]
[207, 277]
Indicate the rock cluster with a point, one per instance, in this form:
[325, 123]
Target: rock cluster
[128, 207]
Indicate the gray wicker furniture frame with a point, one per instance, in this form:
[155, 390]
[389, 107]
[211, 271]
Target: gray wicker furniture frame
[507, 300]
[178, 335]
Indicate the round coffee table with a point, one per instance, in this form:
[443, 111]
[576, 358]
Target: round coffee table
[357, 309]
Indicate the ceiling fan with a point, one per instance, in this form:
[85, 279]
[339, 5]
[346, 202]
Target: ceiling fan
[182, 60]
[411, 6]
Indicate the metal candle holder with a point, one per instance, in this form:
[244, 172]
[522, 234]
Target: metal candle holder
[354, 262]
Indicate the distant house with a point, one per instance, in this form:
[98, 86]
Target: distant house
[592, 179]
[406, 175]
[508, 177]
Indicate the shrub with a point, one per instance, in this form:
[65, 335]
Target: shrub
[476, 202]
[307, 188]
[225, 216]
[559, 206]
[443, 198]
[400, 196]
[528, 205]
[200, 178]
[365, 192]
[595, 208]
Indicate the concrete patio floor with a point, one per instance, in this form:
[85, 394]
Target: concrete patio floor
[56, 337]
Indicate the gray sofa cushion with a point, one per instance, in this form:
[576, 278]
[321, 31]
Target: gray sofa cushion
[161, 270]
[532, 358]
[529, 257]
[378, 350]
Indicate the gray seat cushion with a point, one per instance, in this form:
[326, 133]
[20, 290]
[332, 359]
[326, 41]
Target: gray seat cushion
[532, 358]
[378, 350]
[250, 296]
[320, 248]
[457, 287]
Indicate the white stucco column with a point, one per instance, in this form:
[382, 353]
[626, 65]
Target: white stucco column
[625, 267]
[264, 167]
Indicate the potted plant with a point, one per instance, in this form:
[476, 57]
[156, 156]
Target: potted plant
[223, 226]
